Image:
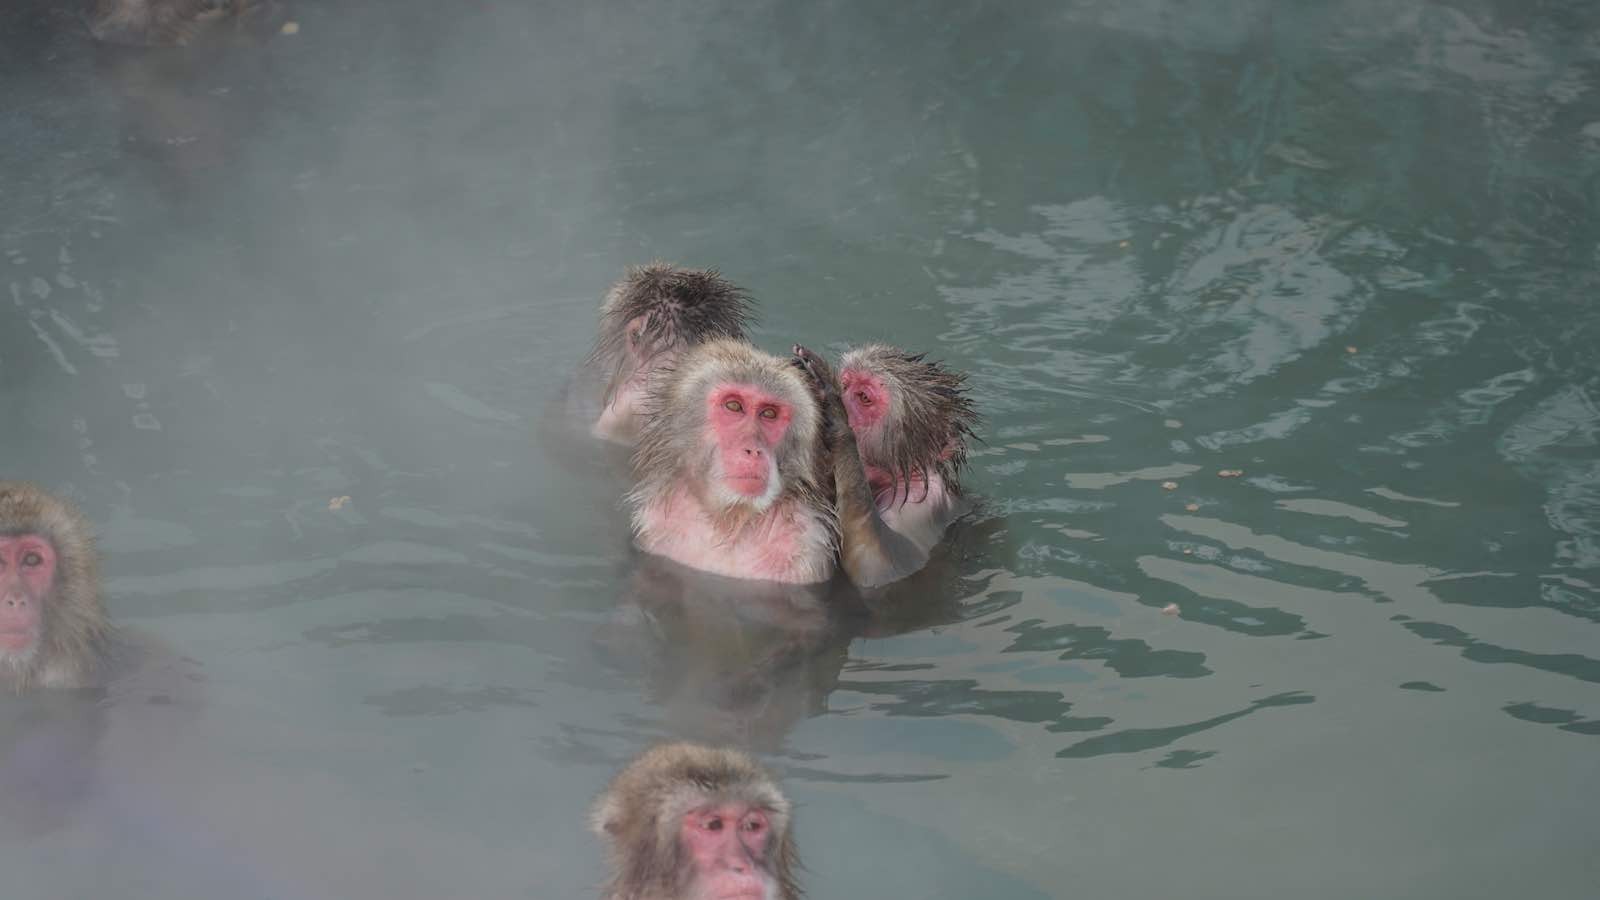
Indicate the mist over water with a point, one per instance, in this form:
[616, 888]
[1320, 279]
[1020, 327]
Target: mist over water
[1349, 250]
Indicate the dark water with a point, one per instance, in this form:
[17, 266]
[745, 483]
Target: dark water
[1348, 248]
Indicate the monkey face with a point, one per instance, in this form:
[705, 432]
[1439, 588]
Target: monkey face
[27, 573]
[745, 429]
[728, 846]
[866, 399]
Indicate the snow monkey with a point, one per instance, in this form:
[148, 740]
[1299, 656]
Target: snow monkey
[691, 822]
[896, 428]
[53, 629]
[727, 468]
[647, 320]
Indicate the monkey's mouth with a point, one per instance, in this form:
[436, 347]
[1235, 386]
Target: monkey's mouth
[753, 485]
[16, 639]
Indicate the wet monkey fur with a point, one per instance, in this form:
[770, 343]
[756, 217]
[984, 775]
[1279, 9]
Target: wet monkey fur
[691, 822]
[53, 628]
[895, 428]
[727, 468]
[647, 320]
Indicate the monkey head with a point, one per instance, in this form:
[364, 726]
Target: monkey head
[51, 619]
[646, 320]
[909, 415]
[691, 822]
[739, 426]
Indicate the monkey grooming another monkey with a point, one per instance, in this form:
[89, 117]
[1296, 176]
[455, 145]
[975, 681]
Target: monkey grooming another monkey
[651, 316]
[690, 822]
[896, 428]
[53, 629]
[727, 468]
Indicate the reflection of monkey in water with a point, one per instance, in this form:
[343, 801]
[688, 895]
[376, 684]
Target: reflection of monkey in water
[730, 660]
[690, 822]
[896, 428]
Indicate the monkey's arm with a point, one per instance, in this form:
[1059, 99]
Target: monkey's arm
[871, 553]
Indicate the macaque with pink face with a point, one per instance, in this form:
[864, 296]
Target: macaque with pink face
[727, 468]
[53, 628]
[647, 320]
[691, 822]
[896, 428]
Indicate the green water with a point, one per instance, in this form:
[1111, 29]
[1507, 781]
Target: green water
[1348, 249]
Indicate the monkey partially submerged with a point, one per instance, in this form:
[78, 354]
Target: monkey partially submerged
[53, 628]
[647, 320]
[727, 468]
[896, 428]
[690, 822]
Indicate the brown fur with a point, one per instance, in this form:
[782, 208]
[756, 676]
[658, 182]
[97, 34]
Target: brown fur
[930, 416]
[639, 813]
[681, 308]
[671, 449]
[76, 630]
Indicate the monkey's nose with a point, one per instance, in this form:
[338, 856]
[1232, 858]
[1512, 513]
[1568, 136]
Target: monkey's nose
[756, 452]
[19, 602]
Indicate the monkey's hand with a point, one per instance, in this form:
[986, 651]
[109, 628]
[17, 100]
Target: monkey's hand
[825, 387]
[818, 373]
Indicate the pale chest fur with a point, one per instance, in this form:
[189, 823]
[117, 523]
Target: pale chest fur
[927, 509]
[791, 543]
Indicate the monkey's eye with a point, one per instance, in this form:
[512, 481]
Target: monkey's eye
[733, 406]
[714, 825]
[769, 413]
[753, 825]
[32, 559]
[864, 397]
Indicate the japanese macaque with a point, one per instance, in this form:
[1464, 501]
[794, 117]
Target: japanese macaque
[53, 629]
[168, 23]
[727, 468]
[895, 427]
[650, 317]
[691, 822]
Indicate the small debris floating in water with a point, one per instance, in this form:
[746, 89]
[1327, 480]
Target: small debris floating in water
[1192, 507]
[1171, 609]
[1188, 551]
[1230, 473]
[1169, 485]
[290, 28]
[338, 502]
[1350, 349]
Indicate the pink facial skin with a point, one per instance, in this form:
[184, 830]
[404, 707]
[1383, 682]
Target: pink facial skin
[728, 845]
[866, 400]
[747, 424]
[27, 570]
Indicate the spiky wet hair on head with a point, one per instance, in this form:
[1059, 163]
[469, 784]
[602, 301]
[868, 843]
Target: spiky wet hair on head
[680, 308]
[930, 416]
